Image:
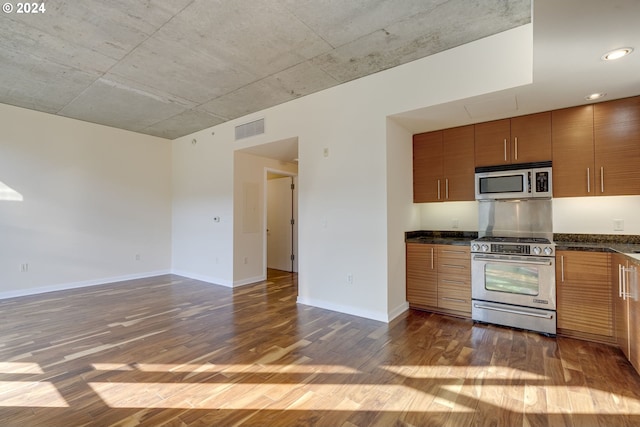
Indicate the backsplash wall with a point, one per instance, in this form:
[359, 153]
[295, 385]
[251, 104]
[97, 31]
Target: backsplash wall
[588, 215]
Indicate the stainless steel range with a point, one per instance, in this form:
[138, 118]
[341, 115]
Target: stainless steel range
[513, 274]
[513, 282]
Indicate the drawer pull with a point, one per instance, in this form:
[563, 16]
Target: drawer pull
[453, 282]
[454, 266]
[453, 299]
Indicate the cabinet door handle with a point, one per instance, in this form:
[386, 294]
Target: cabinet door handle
[588, 180]
[432, 258]
[562, 268]
[516, 147]
[602, 179]
[446, 188]
[621, 281]
[438, 189]
[505, 149]
[620, 267]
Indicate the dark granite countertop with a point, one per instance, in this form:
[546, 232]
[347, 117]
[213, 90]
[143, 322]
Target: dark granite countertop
[459, 238]
[625, 244]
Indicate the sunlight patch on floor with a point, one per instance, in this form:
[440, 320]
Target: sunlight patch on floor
[30, 394]
[20, 368]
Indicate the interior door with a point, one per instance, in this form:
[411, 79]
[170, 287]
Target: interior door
[281, 224]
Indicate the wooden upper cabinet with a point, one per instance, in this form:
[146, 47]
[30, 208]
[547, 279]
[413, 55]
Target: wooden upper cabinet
[531, 138]
[518, 140]
[443, 165]
[573, 152]
[492, 143]
[427, 167]
[458, 164]
[617, 147]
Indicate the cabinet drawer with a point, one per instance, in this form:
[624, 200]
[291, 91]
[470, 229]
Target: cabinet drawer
[454, 295]
[454, 267]
[457, 252]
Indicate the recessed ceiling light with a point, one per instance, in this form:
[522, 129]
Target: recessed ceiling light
[617, 54]
[594, 96]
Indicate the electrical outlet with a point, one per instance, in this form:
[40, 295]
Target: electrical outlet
[24, 268]
[137, 257]
[325, 152]
[618, 225]
[246, 260]
[455, 223]
[350, 279]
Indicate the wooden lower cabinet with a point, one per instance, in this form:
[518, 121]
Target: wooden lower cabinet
[634, 314]
[422, 274]
[625, 278]
[583, 290]
[454, 278]
[439, 278]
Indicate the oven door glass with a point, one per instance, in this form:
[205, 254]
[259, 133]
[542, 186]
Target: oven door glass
[514, 279]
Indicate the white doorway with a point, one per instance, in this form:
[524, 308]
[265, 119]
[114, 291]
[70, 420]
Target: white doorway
[281, 210]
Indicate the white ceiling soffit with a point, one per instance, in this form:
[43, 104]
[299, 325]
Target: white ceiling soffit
[569, 38]
[488, 107]
[172, 67]
[285, 150]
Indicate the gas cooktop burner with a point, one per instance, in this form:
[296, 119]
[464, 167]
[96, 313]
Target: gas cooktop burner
[498, 239]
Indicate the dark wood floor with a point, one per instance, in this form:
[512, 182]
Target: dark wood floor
[170, 351]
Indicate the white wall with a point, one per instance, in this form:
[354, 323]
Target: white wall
[202, 188]
[249, 244]
[344, 222]
[571, 215]
[595, 215]
[94, 197]
[402, 214]
[441, 216]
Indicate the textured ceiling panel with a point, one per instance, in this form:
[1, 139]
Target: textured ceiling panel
[38, 84]
[172, 67]
[183, 124]
[120, 106]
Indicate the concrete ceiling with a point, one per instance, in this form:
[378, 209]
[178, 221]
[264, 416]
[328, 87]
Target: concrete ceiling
[172, 67]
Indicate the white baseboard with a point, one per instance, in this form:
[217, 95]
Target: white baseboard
[398, 311]
[81, 284]
[203, 278]
[249, 280]
[354, 311]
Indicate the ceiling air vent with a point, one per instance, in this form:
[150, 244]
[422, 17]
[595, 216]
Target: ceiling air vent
[250, 129]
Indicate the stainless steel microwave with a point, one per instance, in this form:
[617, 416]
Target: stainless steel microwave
[519, 181]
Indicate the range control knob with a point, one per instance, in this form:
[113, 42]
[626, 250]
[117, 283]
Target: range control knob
[485, 248]
[537, 250]
[475, 247]
[548, 251]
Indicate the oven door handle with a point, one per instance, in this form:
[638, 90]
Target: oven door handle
[511, 261]
[507, 310]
